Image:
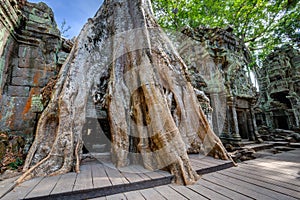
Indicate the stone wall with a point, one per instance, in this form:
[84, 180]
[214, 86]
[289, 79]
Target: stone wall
[10, 19]
[222, 60]
[279, 81]
[31, 52]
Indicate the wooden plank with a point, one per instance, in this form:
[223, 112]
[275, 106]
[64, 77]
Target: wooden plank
[257, 191]
[22, 190]
[205, 166]
[134, 195]
[222, 190]
[201, 163]
[150, 174]
[268, 183]
[164, 173]
[168, 192]
[116, 197]
[132, 177]
[187, 192]
[275, 168]
[210, 194]
[213, 161]
[44, 188]
[273, 160]
[235, 186]
[208, 161]
[99, 176]
[154, 175]
[275, 179]
[268, 165]
[141, 172]
[289, 158]
[115, 177]
[294, 152]
[137, 170]
[151, 194]
[283, 192]
[271, 172]
[128, 169]
[84, 180]
[6, 184]
[65, 183]
[198, 164]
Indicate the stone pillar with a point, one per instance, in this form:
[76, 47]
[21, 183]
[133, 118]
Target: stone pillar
[255, 129]
[235, 137]
[295, 111]
[215, 120]
[269, 119]
[226, 132]
[250, 125]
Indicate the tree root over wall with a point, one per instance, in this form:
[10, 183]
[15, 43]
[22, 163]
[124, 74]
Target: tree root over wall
[154, 115]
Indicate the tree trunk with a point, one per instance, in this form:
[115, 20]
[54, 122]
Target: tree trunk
[128, 64]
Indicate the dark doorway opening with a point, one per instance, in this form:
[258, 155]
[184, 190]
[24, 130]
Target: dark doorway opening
[96, 136]
[281, 97]
[281, 122]
[243, 124]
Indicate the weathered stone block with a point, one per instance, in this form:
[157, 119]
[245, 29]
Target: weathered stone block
[30, 77]
[16, 115]
[241, 103]
[33, 57]
[22, 72]
[18, 91]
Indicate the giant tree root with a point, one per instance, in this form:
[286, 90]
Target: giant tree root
[125, 60]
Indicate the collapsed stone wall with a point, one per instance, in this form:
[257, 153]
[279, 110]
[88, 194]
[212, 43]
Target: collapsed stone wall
[279, 82]
[31, 52]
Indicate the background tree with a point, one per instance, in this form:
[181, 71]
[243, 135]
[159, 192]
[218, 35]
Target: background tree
[262, 24]
[64, 28]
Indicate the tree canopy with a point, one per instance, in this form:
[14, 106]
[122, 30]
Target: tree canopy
[262, 24]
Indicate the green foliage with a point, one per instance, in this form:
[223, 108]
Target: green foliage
[262, 24]
[15, 165]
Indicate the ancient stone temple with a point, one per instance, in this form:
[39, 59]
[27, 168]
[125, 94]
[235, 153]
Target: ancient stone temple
[220, 68]
[31, 51]
[279, 82]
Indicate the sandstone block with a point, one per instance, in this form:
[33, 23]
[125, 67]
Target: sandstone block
[18, 91]
[16, 115]
[30, 77]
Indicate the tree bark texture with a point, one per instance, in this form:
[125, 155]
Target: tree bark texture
[124, 61]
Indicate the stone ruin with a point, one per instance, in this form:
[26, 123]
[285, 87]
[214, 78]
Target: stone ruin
[279, 83]
[31, 53]
[220, 68]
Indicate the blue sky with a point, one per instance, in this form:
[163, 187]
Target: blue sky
[75, 12]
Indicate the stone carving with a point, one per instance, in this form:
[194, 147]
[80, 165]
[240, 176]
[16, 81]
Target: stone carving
[279, 82]
[222, 62]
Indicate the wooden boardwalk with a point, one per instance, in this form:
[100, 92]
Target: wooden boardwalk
[98, 180]
[272, 177]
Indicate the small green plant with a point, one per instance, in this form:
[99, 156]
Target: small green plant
[15, 165]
